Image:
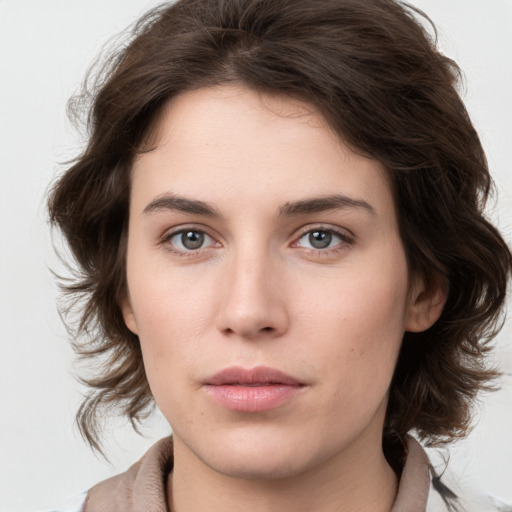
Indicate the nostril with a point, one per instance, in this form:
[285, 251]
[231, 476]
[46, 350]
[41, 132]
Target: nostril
[268, 329]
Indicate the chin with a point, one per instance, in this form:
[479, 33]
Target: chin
[261, 455]
[271, 466]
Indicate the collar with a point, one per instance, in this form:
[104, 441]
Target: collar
[142, 488]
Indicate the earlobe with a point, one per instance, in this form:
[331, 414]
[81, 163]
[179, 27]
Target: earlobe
[128, 315]
[425, 307]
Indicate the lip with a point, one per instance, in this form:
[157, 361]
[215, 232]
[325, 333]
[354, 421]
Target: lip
[252, 390]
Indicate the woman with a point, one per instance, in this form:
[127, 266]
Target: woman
[279, 227]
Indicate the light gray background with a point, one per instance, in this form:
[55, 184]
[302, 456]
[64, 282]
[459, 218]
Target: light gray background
[45, 49]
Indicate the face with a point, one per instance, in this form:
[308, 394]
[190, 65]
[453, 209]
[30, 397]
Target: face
[267, 284]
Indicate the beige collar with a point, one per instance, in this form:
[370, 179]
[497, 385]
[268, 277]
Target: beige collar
[143, 487]
[415, 480]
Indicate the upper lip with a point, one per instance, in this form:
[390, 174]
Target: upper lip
[259, 375]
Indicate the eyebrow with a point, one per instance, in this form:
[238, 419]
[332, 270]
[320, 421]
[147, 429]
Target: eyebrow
[289, 209]
[180, 204]
[321, 204]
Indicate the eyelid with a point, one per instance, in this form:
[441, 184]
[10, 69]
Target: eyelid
[343, 232]
[170, 233]
[345, 235]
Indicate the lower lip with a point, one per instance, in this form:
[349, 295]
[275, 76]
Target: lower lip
[253, 398]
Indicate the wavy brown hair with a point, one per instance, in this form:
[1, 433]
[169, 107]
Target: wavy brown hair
[372, 69]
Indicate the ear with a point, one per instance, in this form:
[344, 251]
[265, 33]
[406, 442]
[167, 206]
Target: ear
[425, 305]
[128, 315]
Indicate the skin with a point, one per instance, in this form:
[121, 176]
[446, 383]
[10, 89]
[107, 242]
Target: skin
[257, 292]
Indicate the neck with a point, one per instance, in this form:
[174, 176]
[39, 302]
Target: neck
[358, 479]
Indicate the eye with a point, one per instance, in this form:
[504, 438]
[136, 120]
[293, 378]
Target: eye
[322, 239]
[187, 240]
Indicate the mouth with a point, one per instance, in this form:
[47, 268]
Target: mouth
[252, 390]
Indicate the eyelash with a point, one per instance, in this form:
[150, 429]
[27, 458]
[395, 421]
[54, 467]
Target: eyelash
[346, 241]
[166, 242]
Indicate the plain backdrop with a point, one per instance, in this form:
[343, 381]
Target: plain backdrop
[45, 50]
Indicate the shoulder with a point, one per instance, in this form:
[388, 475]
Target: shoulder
[440, 493]
[447, 493]
[140, 487]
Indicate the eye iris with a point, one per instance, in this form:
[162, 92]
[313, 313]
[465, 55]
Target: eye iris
[192, 239]
[320, 239]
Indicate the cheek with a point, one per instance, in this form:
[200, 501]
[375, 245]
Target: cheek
[174, 311]
[169, 315]
[168, 298]
[358, 323]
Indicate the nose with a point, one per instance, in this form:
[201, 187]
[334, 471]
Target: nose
[253, 301]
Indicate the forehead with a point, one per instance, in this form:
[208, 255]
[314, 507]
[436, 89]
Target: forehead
[231, 143]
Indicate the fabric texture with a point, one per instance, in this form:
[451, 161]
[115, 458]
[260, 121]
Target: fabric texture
[142, 488]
